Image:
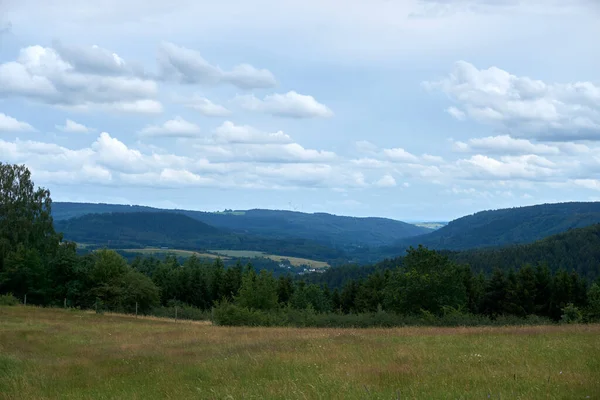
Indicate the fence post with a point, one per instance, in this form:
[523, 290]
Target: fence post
[25, 303]
[65, 303]
[175, 313]
[136, 306]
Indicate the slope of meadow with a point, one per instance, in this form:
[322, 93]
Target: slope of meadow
[52, 354]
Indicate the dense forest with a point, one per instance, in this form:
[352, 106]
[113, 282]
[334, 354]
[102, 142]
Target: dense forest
[178, 231]
[424, 286]
[508, 226]
[333, 231]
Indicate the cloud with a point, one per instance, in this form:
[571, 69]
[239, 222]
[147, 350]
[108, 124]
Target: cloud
[228, 132]
[456, 113]
[386, 181]
[40, 74]
[187, 66]
[400, 155]
[93, 59]
[176, 128]
[528, 107]
[528, 167]
[290, 105]
[10, 124]
[207, 107]
[72, 127]
[365, 146]
[504, 144]
[593, 184]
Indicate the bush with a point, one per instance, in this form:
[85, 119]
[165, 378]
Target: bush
[571, 314]
[8, 300]
[183, 312]
[226, 313]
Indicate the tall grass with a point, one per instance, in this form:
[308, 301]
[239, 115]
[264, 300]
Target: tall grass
[59, 354]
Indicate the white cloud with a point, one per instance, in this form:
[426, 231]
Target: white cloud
[386, 181]
[504, 144]
[228, 132]
[207, 107]
[176, 127]
[400, 155]
[40, 74]
[365, 146]
[93, 59]
[71, 126]
[290, 104]
[456, 113]
[10, 124]
[187, 66]
[528, 167]
[552, 111]
[593, 184]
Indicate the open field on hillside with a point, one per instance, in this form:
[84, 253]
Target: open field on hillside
[295, 261]
[179, 253]
[62, 354]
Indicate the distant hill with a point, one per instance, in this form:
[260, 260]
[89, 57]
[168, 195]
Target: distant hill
[175, 230]
[507, 226]
[329, 230]
[577, 249]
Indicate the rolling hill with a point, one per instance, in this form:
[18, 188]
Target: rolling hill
[329, 230]
[508, 226]
[175, 230]
[577, 249]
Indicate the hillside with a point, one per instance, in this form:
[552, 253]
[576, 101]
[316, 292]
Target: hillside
[175, 230]
[577, 249]
[505, 227]
[326, 229]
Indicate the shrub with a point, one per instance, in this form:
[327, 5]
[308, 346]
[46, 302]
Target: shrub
[570, 315]
[8, 300]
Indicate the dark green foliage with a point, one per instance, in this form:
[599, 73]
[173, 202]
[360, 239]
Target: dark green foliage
[258, 291]
[175, 230]
[577, 249]
[427, 281]
[8, 300]
[326, 229]
[509, 226]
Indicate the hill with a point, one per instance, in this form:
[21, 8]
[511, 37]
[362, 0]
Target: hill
[175, 230]
[576, 249]
[329, 230]
[503, 227]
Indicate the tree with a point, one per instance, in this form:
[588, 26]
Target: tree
[27, 237]
[494, 300]
[258, 291]
[428, 281]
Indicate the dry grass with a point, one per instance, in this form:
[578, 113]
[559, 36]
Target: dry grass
[180, 253]
[59, 354]
[295, 261]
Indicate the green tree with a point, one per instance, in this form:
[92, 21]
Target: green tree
[258, 291]
[428, 281]
[27, 237]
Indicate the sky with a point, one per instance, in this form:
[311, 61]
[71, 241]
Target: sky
[418, 110]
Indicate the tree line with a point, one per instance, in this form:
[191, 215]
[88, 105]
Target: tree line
[424, 286]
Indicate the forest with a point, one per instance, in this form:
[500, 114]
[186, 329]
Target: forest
[422, 287]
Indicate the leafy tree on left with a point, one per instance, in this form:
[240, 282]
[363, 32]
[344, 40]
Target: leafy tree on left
[28, 242]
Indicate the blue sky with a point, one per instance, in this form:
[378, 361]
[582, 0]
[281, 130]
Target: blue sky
[414, 110]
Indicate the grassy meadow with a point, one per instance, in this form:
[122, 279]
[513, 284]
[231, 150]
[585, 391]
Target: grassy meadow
[176, 252]
[295, 261]
[63, 354]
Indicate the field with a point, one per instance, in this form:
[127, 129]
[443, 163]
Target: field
[295, 261]
[179, 253]
[62, 354]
